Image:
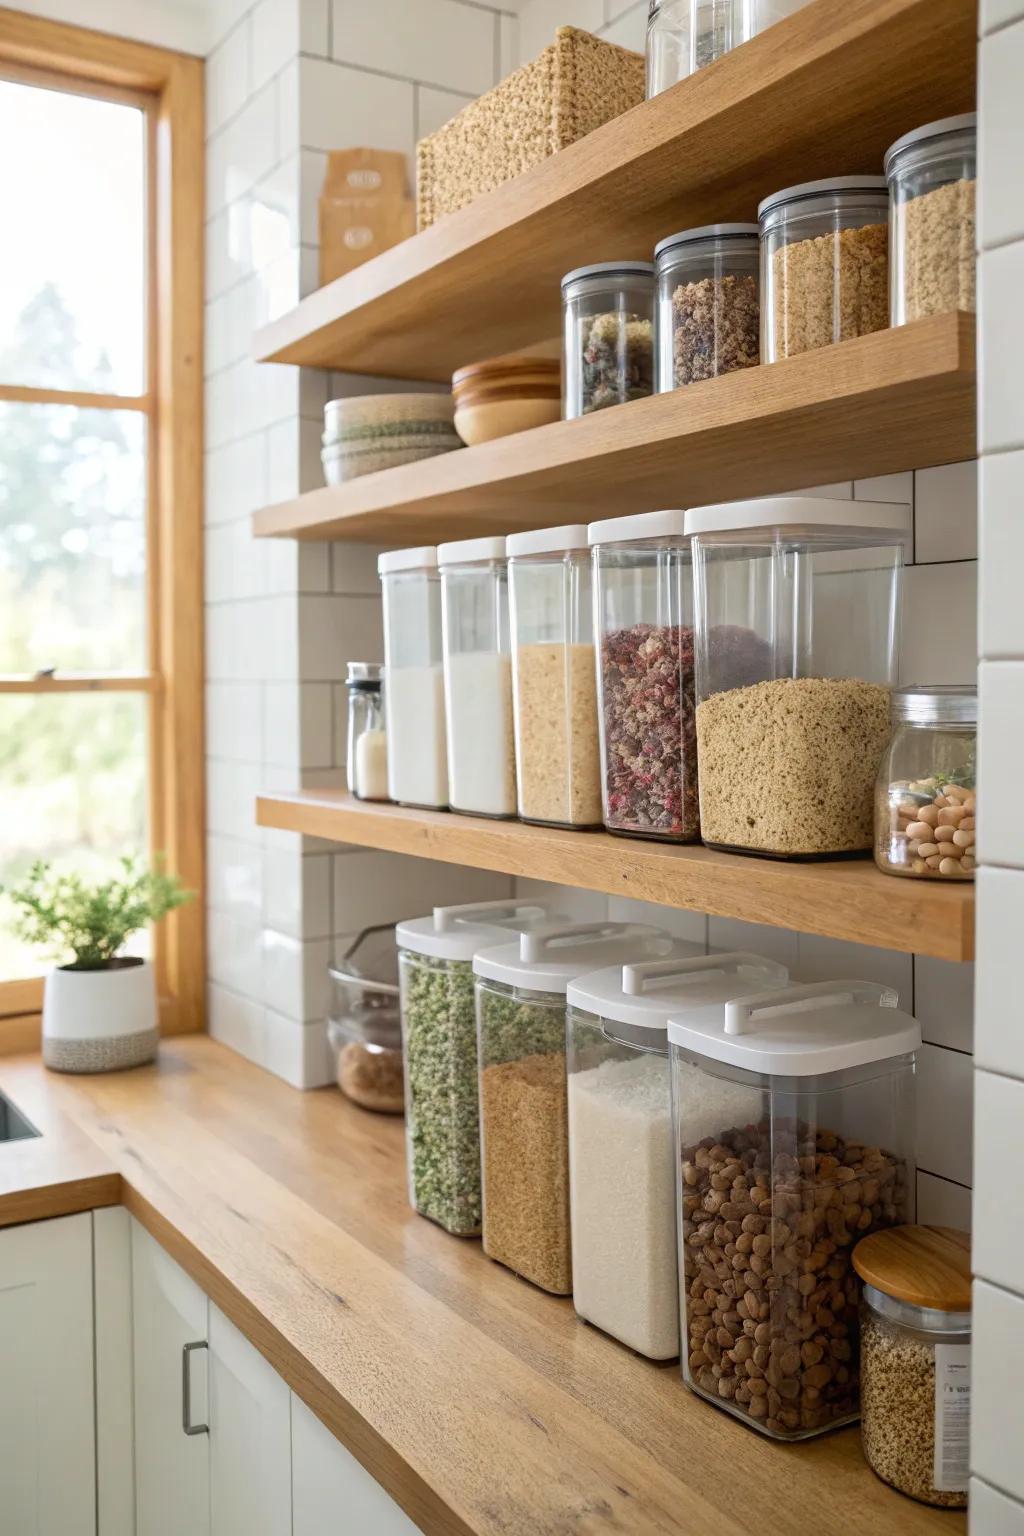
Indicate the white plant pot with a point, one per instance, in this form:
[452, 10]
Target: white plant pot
[100, 1021]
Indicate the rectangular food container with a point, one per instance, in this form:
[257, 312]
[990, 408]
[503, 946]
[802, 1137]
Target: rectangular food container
[414, 678]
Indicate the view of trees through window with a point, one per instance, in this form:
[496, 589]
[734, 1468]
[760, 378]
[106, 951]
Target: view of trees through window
[73, 488]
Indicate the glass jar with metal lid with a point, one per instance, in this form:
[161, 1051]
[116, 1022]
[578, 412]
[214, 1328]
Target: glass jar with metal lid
[708, 308]
[925, 802]
[932, 177]
[608, 336]
[367, 755]
[915, 1360]
[824, 264]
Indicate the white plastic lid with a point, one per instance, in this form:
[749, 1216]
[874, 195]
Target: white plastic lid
[641, 525]
[606, 268]
[873, 185]
[424, 558]
[885, 517]
[705, 232]
[547, 959]
[456, 933]
[942, 125]
[648, 992]
[801, 1031]
[469, 551]
[544, 541]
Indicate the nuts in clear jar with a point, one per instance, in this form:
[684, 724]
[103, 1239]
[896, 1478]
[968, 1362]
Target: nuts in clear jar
[927, 828]
[771, 1297]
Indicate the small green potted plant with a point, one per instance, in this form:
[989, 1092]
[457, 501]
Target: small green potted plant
[99, 1006]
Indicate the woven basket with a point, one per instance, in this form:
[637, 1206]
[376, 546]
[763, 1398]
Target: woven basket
[576, 84]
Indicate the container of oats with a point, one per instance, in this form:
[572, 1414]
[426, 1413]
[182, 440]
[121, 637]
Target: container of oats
[932, 178]
[915, 1360]
[708, 303]
[797, 603]
[793, 1111]
[442, 1124]
[554, 688]
[824, 264]
[524, 1125]
[608, 336]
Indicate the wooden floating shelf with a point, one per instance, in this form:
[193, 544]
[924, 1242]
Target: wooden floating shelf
[900, 399]
[822, 93]
[841, 899]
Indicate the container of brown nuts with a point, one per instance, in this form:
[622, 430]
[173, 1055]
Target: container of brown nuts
[364, 1027]
[794, 1127]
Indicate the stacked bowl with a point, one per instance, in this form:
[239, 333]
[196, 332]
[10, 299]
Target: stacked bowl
[507, 394]
[371, 432]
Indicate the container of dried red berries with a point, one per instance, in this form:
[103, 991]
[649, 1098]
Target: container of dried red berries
[644, 610]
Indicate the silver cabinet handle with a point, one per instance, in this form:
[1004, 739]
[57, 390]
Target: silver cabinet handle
[186, 1390]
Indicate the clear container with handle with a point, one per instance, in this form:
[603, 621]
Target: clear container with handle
[926, 803]
[367, 754]
[643, 606]
[798, 610]
[622, 1185]
[932, 176]
[364, 1022]
[709, 313]
[558, 753]
[915, 1360]
[478, 677]
[520, 1012]
[608, 338]
[824, 264]
[442, 1124]
[685, 35]
[414, 682]
[794, 1124]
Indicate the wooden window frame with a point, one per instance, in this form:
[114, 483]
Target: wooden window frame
[169, 88]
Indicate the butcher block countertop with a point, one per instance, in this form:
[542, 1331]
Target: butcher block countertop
[481, 1404]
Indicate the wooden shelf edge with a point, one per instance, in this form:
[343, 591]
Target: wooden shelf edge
[897, 399]
[841, 899]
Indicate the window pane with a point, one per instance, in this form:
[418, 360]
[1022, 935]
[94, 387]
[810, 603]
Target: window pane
[72, 262]
[72, 539]
[72, 790]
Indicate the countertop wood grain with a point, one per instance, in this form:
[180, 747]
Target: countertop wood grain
[482, 1405]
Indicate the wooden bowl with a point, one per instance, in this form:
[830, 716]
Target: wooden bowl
[486, 419]
[507, 394]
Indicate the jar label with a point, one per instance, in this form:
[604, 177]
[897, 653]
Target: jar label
[952, 1417]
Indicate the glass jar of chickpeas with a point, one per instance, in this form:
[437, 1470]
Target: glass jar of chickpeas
[925, 802]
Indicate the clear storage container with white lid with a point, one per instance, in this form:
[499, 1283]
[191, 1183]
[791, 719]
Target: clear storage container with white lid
[932, 175]
[558, 753]
[709, 313]
[685, 35]
[414, 677]
[794, 1124]
[622, 1184]
[798, 613]
[608, 336]
[435, 969]
[926, 800]
[643, 608]
[478, 677]
[520, 1012]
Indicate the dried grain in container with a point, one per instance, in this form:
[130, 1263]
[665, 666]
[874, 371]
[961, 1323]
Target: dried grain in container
[824, 264]
[622, 1185]
[608, 336]
[524, 1134]
[925, 802]
[932, 180]
[478, 677]
[794, 1121]
[558, 754]
[644, 612]
[797, 606]
[708, 317]
[915, 1360]
[442, 1125]
[414, 681]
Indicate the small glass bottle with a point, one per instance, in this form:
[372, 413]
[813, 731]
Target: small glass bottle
[925, 802]
[367, 738]
[932, 178]
[608, 346]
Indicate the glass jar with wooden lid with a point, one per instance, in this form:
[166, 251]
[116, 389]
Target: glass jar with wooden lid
[915, 1366]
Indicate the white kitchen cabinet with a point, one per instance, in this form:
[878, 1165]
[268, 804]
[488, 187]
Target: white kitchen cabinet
[172, 1469]
[47, 1437]
[250, 1438]
[332, 1493]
